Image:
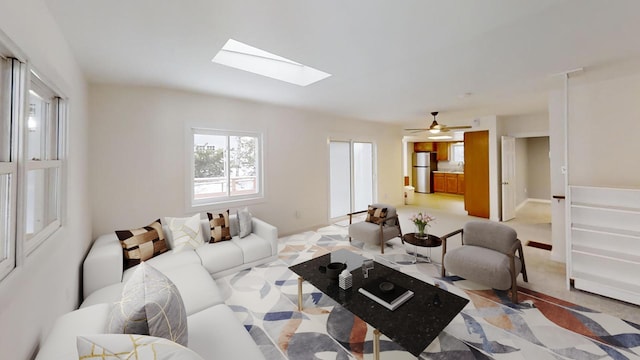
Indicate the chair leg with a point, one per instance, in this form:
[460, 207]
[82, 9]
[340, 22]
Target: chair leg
[524, 268]
[514, 283]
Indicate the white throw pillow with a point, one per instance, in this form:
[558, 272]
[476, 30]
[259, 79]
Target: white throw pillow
[244, 218]
[186, 233]
[123, 346]
[150, 305]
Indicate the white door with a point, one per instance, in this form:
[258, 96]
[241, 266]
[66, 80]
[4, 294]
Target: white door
[508, 178]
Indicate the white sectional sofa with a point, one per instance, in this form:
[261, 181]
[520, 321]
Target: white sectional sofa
[213, 330]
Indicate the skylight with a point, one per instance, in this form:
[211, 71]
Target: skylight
[248, 58]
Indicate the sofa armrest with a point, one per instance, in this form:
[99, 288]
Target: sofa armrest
[103, 265]
[267, 232]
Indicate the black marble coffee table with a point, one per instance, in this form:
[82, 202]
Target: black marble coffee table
[413, 325]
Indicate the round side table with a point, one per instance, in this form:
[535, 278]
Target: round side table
[428, 242]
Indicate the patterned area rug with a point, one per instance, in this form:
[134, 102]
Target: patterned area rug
[490, 327]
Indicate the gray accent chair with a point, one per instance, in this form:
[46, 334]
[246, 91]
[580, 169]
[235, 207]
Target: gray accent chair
[487, 256]
[376, 234]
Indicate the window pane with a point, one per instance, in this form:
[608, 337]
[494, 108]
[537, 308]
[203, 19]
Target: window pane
[362, 175]
[209, 157]
[243, 165]
[457, 152]
[5, 217]
[5, 111]
[340, 178]
[53, 195]
[42, 199]
[36, 122]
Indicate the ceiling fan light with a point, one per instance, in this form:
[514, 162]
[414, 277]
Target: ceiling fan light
[434, 131]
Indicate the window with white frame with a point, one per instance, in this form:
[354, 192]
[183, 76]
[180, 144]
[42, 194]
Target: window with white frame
[457, 152]
[225, 166]
[43, 165]
[31, 166]
[11, 71]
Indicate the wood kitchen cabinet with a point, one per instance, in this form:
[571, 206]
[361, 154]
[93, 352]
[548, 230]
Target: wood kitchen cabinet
[439, 184]
[443, 151]
[423, 146]
[461, 184]
[451, 181]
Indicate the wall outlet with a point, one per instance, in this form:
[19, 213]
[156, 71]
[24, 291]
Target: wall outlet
[298, 214]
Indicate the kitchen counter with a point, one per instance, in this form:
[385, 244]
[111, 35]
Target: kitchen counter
[447, 172]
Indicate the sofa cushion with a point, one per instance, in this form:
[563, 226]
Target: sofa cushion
[197, 289]
[244, 219]
[139, 347]
[489, 234]
[61, 341]
[216, 333]
[219, 223]
[220, 256]
[370, 233]
[107, 295]
[151, 305]
[376, 215]
[253, 247]
[481, 265]
[142, 244]
[196, 286]
[167, 261]
[184, 233]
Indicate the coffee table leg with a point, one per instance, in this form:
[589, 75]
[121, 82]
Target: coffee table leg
[300, 280]
[376, 344]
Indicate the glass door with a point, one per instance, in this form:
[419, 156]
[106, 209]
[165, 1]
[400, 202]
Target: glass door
[351, 177]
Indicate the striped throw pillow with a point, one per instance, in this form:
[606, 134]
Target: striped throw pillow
[376, 215]
[220, 227]
[142, 244]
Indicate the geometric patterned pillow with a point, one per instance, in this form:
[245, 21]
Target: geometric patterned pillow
[140, 347]
[220, 227]
[186, 232]
[142, 244]
[376, 215]
[150, 305]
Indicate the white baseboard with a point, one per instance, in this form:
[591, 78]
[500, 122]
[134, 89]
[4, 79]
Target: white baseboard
[544, 201]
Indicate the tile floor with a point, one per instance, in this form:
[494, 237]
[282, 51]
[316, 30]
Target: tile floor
[532, 222]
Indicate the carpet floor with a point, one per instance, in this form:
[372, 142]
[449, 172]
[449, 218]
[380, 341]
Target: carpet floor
[490, 327]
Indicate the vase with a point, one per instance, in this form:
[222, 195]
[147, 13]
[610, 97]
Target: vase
[422, 232]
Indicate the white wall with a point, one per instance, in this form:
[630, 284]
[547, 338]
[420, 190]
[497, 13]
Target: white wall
[604, 124]
[529, 125]
[598, 156]
[138, 155]
[46, 283]
[538, 172]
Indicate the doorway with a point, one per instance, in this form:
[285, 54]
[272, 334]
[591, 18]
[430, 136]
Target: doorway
[351, 177]
[532, 184]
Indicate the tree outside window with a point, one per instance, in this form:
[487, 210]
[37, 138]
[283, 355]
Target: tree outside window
[225, 166]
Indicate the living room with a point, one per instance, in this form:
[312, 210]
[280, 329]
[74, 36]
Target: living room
[125, 157]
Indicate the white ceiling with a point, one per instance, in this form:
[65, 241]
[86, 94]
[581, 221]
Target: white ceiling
[392, 61]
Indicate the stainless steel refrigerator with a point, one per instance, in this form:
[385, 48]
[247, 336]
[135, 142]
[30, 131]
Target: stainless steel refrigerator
[423, 165]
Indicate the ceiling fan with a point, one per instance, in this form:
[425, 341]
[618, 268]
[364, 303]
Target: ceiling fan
[437, 128]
